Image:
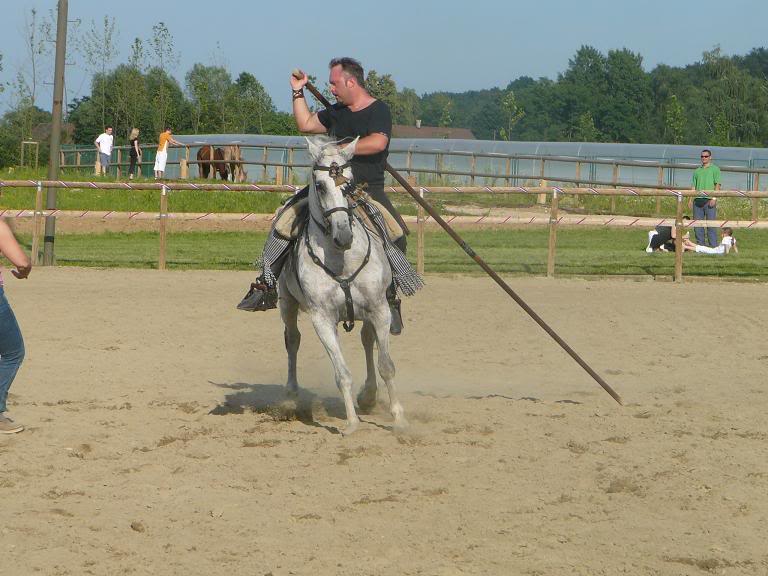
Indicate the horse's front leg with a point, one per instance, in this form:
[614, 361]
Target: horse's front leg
[329, 336]
[289, 311]
[387, 366]
[366, 400]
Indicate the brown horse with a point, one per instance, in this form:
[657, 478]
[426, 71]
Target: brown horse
[234, 157]
[204, 165]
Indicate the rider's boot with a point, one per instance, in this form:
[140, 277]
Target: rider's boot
[396, 324]
[260, 296]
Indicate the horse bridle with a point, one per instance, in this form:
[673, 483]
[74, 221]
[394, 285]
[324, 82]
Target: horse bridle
[335, 171]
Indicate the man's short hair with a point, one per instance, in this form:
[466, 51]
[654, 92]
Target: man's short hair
[708, 151]
[107, 128]
[350, 67]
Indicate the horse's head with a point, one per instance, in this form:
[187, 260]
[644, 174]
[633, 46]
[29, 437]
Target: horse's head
[331, 174]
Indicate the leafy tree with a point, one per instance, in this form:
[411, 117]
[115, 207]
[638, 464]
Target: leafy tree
[513, 113]
[207, 87]
[248, 105]
[674, 121]
[585, 130]
[168, 105]
[166, 58]
[628, 100]
[98, 47]
[13, 125]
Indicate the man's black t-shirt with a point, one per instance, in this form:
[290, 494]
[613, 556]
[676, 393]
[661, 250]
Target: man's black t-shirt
[343, 124]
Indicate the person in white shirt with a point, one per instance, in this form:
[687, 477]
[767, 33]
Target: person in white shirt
[104, 145]
[727, 244]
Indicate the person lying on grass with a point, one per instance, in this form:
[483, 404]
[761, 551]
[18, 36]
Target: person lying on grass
[727, 244]
[662, 238]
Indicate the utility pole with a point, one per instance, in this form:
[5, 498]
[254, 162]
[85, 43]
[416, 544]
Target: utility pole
[57, 110]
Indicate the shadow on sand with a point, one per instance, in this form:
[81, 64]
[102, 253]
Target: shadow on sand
[271, 399]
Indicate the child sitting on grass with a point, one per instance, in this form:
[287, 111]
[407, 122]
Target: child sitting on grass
[727, 244]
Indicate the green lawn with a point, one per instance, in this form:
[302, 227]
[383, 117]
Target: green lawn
[580, 252]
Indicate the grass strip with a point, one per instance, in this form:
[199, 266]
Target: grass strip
[512, 251]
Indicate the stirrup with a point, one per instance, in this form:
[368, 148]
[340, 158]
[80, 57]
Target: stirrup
[396, 323]
[259, 297]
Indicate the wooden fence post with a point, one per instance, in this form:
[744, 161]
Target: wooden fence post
[472, 169]
[420, 219]
[265, 157]
[163, 220]
[37, 224]
[615, 181]
[290, 165]
[211, 166]
[118, 171]
[756, 201]
[552, 235]
[183, 169]
[542, 198]
[408, 163]
[661, 185]
[508, 170]
[679, 239]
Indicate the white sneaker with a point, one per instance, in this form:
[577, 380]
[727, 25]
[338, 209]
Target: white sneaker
[651, 234]
[8, 426]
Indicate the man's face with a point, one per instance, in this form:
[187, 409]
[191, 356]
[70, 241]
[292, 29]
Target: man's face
[339, 85]
[109, 131]
[706, 158]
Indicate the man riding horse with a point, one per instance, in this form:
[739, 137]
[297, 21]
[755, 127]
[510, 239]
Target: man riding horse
[356, 114]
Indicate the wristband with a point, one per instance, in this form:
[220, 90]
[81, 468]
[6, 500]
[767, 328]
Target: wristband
[298, 93]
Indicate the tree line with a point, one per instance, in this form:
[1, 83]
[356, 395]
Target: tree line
[718, 101]
[721, 100]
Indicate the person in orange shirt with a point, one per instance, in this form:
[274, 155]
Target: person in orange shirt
[166, 139]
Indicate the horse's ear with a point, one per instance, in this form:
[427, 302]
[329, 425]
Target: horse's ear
[315, 151]
[349, 150]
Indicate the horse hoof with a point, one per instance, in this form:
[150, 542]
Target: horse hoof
[350, 428]
[366, 404]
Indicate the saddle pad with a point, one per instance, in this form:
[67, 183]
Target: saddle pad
[394, 230]
[288, 222]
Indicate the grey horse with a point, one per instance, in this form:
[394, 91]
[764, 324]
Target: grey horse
[339, 272]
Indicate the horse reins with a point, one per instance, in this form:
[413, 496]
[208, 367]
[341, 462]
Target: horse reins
[335, 171]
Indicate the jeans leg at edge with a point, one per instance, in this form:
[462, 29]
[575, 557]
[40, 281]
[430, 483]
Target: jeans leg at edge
[11, 348]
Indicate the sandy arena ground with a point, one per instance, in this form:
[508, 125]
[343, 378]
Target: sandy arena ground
[155, 443]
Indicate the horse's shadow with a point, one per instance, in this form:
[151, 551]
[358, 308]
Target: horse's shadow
[271, 399]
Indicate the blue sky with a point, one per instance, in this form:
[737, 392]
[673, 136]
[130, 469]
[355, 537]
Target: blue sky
[427, 45]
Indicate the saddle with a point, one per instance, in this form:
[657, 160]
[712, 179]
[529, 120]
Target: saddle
[290, 221]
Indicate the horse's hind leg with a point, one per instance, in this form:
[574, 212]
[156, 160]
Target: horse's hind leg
[289, 311]
[366, 400]
[387, 370]
[326, 331]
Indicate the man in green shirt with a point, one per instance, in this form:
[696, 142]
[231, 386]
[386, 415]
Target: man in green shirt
[707, 179]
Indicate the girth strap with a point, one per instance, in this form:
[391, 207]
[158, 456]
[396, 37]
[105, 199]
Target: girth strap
[344, 283]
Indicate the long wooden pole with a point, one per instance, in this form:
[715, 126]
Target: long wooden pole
[480, 262]
[56, 120]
